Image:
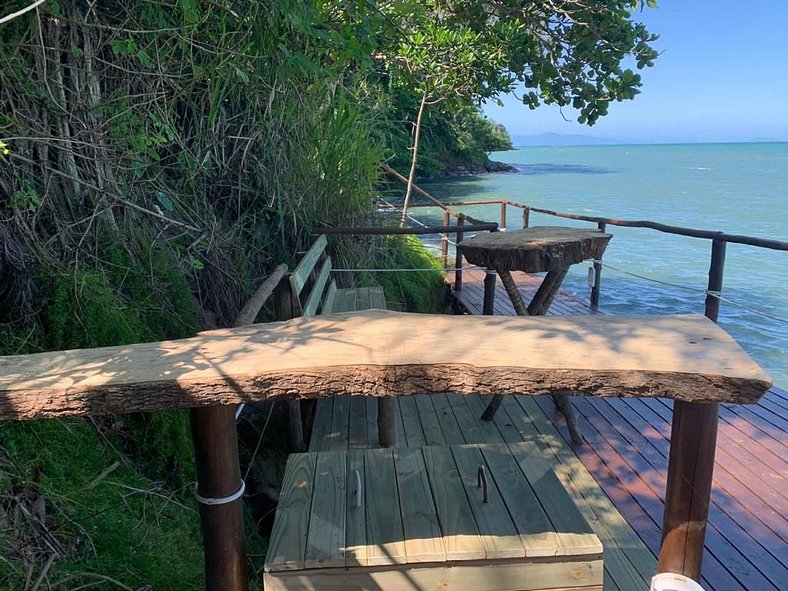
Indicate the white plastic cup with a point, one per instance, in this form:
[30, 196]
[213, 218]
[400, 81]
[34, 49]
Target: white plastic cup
[673, 582]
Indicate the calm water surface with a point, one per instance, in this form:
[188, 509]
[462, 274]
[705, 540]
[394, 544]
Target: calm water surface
[735, 188]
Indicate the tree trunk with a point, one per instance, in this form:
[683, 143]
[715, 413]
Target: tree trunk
[413, 160]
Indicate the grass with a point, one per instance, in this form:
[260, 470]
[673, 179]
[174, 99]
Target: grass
[69, 490]
[415, 291]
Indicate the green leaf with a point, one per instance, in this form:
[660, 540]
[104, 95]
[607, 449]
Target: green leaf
[191, 15]
[164, 201]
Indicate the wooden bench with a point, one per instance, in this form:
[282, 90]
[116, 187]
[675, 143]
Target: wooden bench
[311, 291]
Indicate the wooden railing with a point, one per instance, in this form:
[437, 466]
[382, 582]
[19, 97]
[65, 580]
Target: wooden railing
[719, 239]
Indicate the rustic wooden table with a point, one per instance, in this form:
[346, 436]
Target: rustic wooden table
[550, 249]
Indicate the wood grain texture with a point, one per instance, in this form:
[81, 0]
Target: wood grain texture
[300, 275]
[316, 294]
[478, 576]
[538, 535]
[534, 250]
[460, 534]
[325, 543]
[385, 537]
[423, 539]
[627, 560]
[288, 537]
[378, 353]
[356, 525]
[496, 529]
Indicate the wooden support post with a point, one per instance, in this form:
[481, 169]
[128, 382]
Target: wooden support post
[387, 432]
[219, 476]
[564, 404]
[445, 240]
[519, 308]
[502, 225]
[514, 294]
[716, 269]
[215, 441]
[458, 253]
[526, 216]
[693, 443]
[546, 292]
[295, 424]
[597, 273]
[488, 307]
[284, 311]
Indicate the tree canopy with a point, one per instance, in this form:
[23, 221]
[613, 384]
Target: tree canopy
[565, 52]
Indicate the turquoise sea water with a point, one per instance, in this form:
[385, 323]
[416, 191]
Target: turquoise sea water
[735, 188]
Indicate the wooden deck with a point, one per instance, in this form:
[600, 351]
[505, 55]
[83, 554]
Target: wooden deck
[623, 465]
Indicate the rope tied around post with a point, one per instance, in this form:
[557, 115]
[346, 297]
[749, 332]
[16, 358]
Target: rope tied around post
[220, 500]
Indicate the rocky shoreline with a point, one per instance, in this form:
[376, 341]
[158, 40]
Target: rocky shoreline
[465, 170]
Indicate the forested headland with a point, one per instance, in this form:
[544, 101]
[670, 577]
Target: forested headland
[159, 158]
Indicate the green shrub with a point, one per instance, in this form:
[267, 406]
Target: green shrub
[414, 291]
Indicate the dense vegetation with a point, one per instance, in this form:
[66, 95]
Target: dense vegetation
[157, 159]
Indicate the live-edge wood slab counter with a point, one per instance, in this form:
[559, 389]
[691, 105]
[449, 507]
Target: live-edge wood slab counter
[381, 353]
[417, 518]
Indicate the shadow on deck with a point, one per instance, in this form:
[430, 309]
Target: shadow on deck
[620, 471]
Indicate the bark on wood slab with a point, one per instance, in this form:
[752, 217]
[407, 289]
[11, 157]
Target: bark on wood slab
[382, 353]
[535, 250]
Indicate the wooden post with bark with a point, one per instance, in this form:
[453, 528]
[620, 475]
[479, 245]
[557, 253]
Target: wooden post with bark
[445, 240]
[285, 310]
[488, 305]
[693, 444]
[219, 484]
[458, 253]
[597, 273]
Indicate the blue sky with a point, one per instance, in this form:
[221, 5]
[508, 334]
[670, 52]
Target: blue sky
[722, 76]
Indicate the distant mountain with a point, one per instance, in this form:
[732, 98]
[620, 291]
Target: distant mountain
[560, 139]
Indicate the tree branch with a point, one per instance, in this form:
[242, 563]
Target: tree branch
[13, 15]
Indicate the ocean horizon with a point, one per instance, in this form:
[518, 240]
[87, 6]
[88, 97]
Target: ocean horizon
[733, 187]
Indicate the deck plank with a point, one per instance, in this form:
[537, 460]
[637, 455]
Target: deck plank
[423, 539]
[372, 421]
[723, 534]
[631, 564]
[469, 424]
[288, 550]
[448, 423]
[385, 537]
[460, 534]
[528, 516]
[399, 425]
[497, 530]
[357, 427]
[320, 439]
[433, 434]
[726, 515]
[356, 529]
[339, 435]
[326, 538]
[414, 433]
